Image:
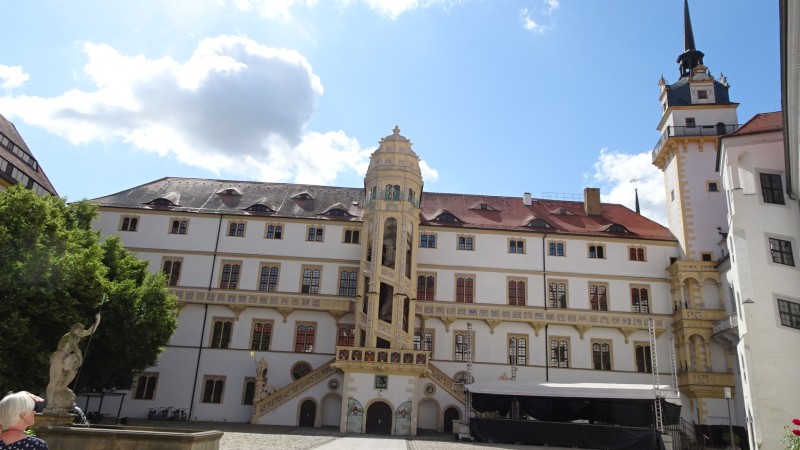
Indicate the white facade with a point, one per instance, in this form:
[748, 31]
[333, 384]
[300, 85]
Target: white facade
[765, 284]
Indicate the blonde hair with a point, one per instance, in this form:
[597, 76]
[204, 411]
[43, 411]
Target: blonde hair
[12, 405]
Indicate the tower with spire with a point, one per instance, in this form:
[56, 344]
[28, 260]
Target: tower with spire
[696, 111]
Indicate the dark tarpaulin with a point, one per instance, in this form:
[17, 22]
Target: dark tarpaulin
[625, 412]
[554, 434]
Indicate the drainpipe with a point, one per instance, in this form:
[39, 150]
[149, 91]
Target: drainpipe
[544, 288]
[205, 318]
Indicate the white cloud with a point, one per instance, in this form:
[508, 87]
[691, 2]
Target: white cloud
[234, 107]
[614, 171]
[429, 174]
[552, 5]
[12, 76]
[528, 22]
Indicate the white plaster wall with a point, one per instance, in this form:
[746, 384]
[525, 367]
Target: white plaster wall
[769, 375]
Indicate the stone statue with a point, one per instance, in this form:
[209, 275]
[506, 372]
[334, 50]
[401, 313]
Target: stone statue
[261, 380]
[64, 364]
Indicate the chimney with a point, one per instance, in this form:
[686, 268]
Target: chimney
[526, 199]
[591, 201]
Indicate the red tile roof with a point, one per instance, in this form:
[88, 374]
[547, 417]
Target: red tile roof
[761, 123]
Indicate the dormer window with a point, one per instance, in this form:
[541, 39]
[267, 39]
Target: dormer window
[539, 223]
[337, 212]
[483, 207]
[303, 196]
[562, 212]
[229, 191]
[702, 94]
[616, 228]
[161, 202]
[446, 217]
[259, 208]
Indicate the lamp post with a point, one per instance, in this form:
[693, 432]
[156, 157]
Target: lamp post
[730, 420]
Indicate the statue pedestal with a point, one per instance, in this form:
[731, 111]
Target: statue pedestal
[53, 420]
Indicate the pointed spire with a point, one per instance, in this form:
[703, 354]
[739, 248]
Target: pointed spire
[688, 34]
[691, 57]
[638, 211]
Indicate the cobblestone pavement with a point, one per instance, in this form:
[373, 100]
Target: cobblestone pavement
[239, 436]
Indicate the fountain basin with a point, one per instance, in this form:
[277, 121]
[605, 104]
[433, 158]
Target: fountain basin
[120, 437]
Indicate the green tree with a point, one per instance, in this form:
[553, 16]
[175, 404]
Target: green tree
[54, 270]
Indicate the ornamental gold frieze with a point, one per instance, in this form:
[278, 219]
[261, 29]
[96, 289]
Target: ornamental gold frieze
[539, 317]
[370, 359]
[237, 300]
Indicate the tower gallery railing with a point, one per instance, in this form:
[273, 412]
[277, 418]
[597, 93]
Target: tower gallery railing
[698, 130]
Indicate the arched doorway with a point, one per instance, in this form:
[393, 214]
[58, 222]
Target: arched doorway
[308, 413]
[331, 409]
[379, 419]
[450, 414]
[428, 415]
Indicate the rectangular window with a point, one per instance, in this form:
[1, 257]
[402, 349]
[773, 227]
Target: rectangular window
[597, 251]
[426, 287]
[348, 281]
[781, 251]
[314, 234]
[462, 345]
[690, 123]
[465, 289]
[518, 349]
[705, 256]
[304, 335]
[466, 243]
[640, 299]
[601, 354]
[772, 188]
[636, 254]
[236, 229]
[427, 240]
[702, 94]
[172, 269]
[310, 282]
[516, 292]
[644, 362]
[229, 276]
[129, 223]
[213, 388]
[789, 313]
[559, 351]
[261, 334]
[179, 226]
[712, 186]
[274, 231]
[557, 293]
[423, 339]
[249, 392]
[268, 277]
[352, 236]
[516, 246]
[145, 386]
[598, 296]
[346, 335]
[221, 329]
[555, 248]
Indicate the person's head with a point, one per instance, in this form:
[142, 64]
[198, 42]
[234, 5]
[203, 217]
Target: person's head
[76, 329]
[17, 407]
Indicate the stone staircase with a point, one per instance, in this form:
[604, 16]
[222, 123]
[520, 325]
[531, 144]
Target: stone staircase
[292, 390]
[445, 382]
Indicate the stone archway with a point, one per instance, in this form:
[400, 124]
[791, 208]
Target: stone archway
[428, 415]
[450, 414]
[308, 414]
[379, 419]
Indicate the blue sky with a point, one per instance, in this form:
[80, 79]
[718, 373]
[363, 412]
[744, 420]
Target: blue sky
[499, 97]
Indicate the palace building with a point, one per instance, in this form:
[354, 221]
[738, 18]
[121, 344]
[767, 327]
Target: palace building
[370, 309]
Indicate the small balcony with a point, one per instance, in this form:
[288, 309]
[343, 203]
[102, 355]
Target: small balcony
[726, 330]
[705, 384]
[381, 359]
[698, 130]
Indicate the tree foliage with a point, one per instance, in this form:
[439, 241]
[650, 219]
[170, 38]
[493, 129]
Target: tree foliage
[54, 271]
